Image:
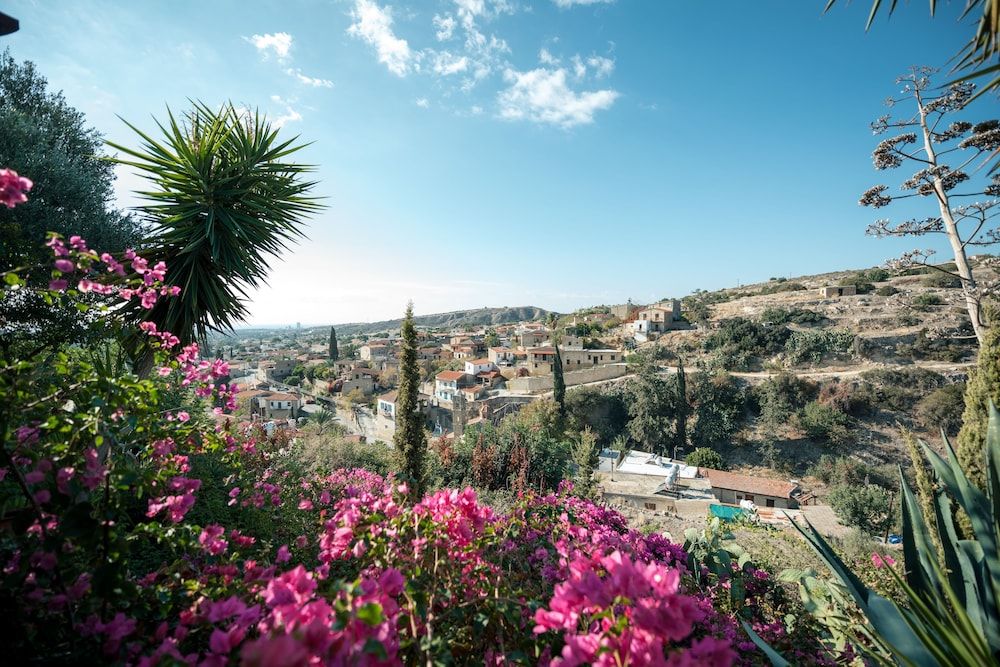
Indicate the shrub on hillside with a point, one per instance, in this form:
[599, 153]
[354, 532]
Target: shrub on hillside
[776, 315]
[866, 507]
[823, 422]
[781, 286]
[847, 397]
[886, 290]
[739, 342]
[926, 300]
[941, 279]
[942, 409]
[779, 397]
[899, 389]
[719, 405]
[704, 457]
[815, 346]
[861, 282]
[951, 349]
[847, 471]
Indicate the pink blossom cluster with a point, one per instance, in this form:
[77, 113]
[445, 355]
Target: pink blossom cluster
[177, 503]
[13, 188]
[614, 611]
[147, 285]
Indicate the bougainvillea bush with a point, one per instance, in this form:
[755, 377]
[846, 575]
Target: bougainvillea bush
[142, 525]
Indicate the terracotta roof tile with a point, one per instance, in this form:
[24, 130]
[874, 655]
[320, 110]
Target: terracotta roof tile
[720, 479]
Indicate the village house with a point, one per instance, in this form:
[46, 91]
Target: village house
[387, 405]
[834, 291]
[731, 488]
[446, 384]
[502, 356]
[374, 352]
[275, 370]
[477, 366]
[268, 405]
[528, 338]
[541, 359]
[657, 318]
[360, 378]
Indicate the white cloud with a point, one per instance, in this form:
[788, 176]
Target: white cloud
[308, 80]
[422, 102]
[290, 116]
[373, 24]
[476, 110]
[579, 69]
[445, 26]
[547, 58]
[602, 66]
[569, 3]
[445, 63]
[278, 43]
[541, 95]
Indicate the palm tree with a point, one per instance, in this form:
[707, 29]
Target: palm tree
[224, 199]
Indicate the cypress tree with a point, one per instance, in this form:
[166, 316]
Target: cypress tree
[410, 440]
[334, 352]
[681, 406]
[983, 387]
[559, 387]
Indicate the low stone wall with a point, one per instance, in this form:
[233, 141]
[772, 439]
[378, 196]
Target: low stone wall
[540, 383]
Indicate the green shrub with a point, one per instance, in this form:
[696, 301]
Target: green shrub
[845, 470]
[719, 405]
[739, 341]
[925, 300]
[937, 349]
[900, 388]
[942, 409]
[941, 279]
[848, 397]
[823, 422]
[863, 506]
[815, 346]
[703, 457]
[779, 397]
[860, 281]
[886, 290]
[775, 315]
[781, 286]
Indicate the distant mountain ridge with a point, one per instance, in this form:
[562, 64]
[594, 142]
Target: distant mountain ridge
[453, 319]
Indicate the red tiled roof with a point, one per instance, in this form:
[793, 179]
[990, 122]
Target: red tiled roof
[720, 479]
[282, 397]
[450, 375]
[542, 350]
[480, 362]
[390, 397]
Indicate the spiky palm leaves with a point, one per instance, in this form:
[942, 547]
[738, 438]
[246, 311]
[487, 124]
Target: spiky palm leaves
[223, 200]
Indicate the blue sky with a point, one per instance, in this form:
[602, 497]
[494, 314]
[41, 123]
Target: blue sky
[556, 153]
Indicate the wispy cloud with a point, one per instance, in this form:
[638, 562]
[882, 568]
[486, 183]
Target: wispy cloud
[564, 4]
[542, 95]
[446, 63]
[290, 116]
[308, 80]
[278, 44]
[422, 102]
[444, 27]
[373, 24]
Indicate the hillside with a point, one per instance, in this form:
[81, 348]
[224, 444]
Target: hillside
[453, 320]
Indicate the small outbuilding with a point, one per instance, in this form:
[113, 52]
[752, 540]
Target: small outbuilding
[835, 291]
[731, 488]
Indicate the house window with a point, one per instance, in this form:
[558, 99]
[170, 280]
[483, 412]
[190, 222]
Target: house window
[612, 357]
[750, 497]
[770, 502]
[649, 506]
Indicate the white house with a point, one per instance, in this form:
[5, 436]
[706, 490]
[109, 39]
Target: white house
[477, 366]
[446, 385]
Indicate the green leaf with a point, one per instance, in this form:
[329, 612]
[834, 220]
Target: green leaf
[776, 659]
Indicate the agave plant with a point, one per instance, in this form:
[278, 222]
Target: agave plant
[951, 617]
[224, 198]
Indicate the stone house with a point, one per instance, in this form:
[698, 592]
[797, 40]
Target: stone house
[730, 488]
[835, 291]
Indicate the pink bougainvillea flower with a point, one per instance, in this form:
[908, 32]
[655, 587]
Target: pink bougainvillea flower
[183, 416]
[64, 265]
[880, 561]
[13, 188]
